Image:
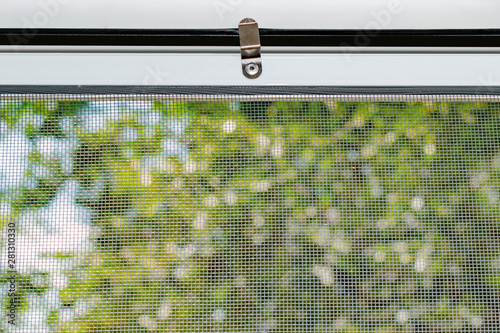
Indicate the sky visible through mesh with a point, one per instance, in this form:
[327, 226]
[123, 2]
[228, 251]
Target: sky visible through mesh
[227, 215]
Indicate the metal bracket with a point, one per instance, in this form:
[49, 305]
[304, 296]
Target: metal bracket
[251, 62]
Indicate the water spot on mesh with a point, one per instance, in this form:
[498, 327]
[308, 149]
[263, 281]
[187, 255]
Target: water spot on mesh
[476, 321]
[379, 256]
[211, 201]
[219, 315]
[231, 197]
[129, 134]
[333, 215]
[402, 316]
[258, 220]
[201, 220]
[147, 322]
[430, 149]
[405, 258]
[229, 126]
[400, 247]
[311, 211]
[258, 238]
[417, 203]
[277, 149]
[324, 274]
[261, 186]
[421, 264]
[165, 309]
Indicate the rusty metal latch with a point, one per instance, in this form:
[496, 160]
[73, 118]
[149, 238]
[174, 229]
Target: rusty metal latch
[251, 61]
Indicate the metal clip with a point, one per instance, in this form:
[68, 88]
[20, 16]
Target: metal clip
[251, 62]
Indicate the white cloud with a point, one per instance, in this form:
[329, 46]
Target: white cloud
[15, 148]
[60, 227]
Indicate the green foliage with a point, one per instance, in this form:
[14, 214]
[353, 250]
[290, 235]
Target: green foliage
[283, 216]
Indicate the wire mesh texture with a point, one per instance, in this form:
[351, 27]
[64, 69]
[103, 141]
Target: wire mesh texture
[224, 214]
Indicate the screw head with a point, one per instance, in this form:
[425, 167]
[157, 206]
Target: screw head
[252, 69]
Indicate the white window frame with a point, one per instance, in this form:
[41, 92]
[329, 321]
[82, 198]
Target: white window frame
[334, 68]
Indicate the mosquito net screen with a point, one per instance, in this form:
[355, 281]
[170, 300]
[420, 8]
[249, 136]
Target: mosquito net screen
[261, 214]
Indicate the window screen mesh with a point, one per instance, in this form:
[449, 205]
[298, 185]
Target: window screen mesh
[224, 214]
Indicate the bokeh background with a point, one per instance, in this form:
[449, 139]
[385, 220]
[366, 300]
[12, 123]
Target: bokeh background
[332, 215]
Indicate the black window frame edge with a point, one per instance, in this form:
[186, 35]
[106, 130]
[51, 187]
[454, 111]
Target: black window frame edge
[269, 37]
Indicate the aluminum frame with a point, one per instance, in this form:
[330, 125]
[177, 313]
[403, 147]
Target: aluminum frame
[103, 57]
[216, 14]
[382, 69]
